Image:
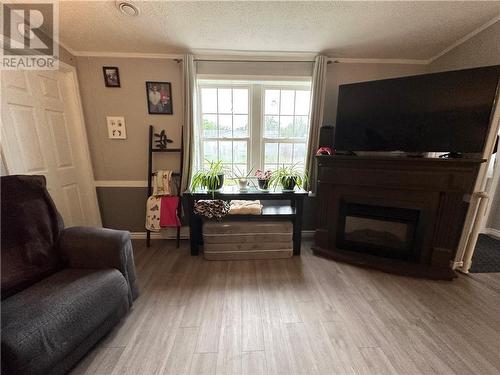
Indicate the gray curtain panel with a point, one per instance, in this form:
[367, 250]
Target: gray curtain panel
[318, 90]
[189, 95]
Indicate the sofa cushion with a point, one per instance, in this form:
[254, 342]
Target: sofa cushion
[44, 323]
[30, 229]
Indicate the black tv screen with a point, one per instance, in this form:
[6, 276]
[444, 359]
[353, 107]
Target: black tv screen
[440, 112]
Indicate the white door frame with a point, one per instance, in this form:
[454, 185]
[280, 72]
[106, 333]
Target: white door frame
[495, 179]
[475, 212]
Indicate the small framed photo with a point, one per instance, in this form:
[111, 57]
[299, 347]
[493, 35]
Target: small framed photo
[111, 76]
[159, 95]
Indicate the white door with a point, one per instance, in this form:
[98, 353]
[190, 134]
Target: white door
[43, 133]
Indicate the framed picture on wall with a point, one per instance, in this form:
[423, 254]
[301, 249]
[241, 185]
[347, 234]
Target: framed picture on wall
[159, 96]
[111, 76]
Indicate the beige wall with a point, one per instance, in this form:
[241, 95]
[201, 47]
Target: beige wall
[127, 159]
[481, 50]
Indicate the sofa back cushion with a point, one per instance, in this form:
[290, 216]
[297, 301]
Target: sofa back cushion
[30, 229]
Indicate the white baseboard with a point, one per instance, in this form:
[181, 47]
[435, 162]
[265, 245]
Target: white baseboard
[170, 234]
[491, 232]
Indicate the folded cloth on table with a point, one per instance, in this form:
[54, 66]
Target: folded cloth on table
[241, 207]
[168, 212]
[153, 209]
[161, 183]
[211, 209]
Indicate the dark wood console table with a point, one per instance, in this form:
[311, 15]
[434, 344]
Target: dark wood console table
[292, 212]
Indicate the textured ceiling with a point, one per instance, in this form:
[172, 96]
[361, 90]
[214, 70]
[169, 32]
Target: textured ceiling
[365, 29]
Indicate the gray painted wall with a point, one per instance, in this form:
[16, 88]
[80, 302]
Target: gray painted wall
[481, 50]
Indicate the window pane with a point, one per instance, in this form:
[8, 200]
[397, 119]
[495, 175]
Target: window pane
[272, 102]
[239, 170]
[240, 126]
[271, 126]
[210, 126]
[225, 126]
[287, 102]
[240, 101]
[271, 153]
[209, 151]
[226, 151]
[301, 126]
[270, 167]
[302, 99]
[240, 152]
[224, 101]
[286, 126]
[299, 153]
[209, 100]
[285, 153]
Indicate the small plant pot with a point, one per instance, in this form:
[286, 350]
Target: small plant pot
[288, 184]
[243, 183]
[263, 184]
[212, 184]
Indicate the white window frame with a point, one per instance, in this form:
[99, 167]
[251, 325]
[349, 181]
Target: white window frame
[256, 107]
[201, 138]
[278, 140]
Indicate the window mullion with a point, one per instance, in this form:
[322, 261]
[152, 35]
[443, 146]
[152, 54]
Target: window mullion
[256, 127]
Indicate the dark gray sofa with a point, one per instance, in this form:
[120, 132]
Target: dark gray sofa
[62, 289]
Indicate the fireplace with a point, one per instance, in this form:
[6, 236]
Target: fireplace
[399, 215]
[384, 231]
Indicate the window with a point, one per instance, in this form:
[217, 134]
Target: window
[250, 124]
[286, 127]
[225, 133]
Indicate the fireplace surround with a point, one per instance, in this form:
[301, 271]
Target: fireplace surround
[398, 214]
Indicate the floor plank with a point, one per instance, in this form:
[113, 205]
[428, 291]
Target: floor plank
[304, 315]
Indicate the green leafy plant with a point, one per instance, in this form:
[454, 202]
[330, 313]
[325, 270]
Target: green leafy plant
[288, 177]
[211, 178]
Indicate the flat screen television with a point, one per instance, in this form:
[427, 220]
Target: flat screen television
[439, 112]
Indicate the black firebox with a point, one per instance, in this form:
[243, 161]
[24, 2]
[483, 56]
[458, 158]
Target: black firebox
[384, 231]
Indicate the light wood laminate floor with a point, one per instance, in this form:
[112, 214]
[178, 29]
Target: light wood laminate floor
[304, 315]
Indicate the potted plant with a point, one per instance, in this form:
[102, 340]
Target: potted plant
[212, 178]
[241, 178]
[263, 179]
[288, 178]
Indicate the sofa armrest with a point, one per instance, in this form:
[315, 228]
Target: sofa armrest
[88, 247]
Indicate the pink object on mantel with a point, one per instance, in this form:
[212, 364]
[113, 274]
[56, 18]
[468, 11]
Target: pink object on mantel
[168, 212]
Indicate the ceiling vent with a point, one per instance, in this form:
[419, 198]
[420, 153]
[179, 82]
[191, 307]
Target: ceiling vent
[127, 8]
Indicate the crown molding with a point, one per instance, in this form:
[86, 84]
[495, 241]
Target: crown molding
[465, 38]
[129, 55]
[67, 48]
